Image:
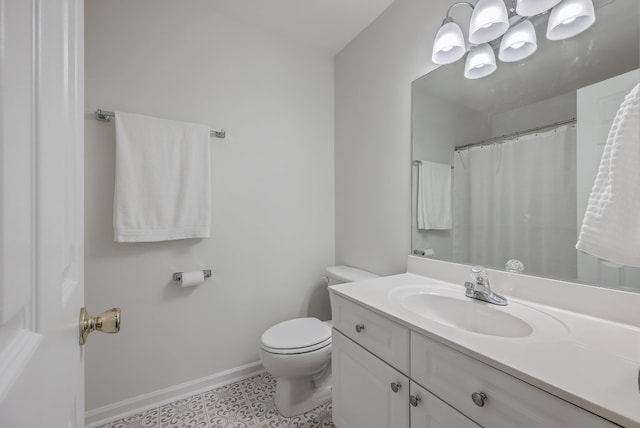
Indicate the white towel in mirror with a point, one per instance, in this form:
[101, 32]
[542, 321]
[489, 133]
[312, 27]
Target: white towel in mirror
[434, 196]
[611, 224]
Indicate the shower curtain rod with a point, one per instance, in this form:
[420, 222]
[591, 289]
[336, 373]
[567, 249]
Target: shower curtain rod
[515, 134]
[105, 116]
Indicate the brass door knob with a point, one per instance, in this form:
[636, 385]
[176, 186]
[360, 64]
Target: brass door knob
[106, 322]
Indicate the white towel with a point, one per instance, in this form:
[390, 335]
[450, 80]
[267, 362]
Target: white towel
[434, 196]
[611, 224]
[163, 179]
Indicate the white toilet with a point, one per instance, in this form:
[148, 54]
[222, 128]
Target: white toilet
[297, 353]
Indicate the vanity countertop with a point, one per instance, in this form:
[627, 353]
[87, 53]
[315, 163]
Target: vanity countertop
[590, 361]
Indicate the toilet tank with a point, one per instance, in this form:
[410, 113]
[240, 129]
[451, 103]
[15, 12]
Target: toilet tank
[340, 274]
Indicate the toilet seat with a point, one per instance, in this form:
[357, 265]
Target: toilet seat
[296, 336]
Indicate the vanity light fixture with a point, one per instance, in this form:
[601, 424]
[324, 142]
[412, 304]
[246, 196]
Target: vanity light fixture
[490, 20]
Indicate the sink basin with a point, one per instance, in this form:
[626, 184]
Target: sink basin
[449, 306]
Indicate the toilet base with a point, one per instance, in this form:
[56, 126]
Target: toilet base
[299, 395]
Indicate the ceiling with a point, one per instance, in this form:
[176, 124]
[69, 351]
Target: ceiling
[326, 25]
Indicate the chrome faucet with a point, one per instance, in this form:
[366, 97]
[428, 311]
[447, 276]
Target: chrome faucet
[480, 288]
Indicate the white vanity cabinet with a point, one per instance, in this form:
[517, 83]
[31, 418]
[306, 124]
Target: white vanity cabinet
[387, 376]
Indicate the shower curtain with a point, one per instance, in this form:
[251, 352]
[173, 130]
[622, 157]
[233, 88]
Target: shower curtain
[517, 200]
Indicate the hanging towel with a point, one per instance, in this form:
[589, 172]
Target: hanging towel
[434, 196]
[611, 224]
[163, 179]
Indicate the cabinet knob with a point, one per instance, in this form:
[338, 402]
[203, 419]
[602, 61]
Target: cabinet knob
[395, 386]
[414, 400]
[359, 328]
[479, 398]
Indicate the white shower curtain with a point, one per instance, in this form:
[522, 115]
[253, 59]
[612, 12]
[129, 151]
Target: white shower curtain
[517, 200]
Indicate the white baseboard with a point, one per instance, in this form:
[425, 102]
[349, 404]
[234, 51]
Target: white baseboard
[151, 400]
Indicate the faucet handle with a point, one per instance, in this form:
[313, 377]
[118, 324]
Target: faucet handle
[480, 275]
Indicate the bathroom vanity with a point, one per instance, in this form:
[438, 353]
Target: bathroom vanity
[419, 353]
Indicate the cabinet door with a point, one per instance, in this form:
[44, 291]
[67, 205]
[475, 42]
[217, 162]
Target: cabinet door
[362, 393]
[431, 412]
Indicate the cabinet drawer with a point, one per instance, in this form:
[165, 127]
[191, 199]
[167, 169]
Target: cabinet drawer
[382, 337]
[509, 403]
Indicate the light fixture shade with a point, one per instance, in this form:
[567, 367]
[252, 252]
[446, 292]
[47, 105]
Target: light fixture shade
[481, 62]
[449, 45]
[518, 43]
[489, 21]
[570, 18]
[534, 7]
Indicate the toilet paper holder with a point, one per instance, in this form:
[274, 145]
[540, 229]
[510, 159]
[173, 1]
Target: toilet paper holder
[177, 276]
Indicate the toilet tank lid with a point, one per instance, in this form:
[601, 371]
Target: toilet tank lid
[349, 274]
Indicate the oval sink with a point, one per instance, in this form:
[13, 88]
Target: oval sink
[470, 315]
[449, 306]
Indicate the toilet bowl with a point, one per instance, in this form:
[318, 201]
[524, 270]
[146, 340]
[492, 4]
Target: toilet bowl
[297, 353]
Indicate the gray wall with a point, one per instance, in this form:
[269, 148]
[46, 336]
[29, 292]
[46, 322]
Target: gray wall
[373, 76]
[273, 192]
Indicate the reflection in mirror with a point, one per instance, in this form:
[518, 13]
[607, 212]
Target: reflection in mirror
[503, 166]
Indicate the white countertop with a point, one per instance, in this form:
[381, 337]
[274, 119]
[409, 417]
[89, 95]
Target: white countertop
[593, 363]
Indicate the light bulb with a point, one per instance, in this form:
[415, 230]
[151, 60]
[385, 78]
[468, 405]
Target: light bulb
[481, 62]
[518, 43]
[489, 21]
[570, 18]
[449, 44]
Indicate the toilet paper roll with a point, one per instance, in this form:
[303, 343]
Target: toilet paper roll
[189, 279]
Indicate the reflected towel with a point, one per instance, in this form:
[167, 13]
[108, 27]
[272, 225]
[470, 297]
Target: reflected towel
[611, 224]
[434, 196]
[163, 179]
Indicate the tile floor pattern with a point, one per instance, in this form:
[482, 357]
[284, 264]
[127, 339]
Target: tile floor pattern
[247, 403]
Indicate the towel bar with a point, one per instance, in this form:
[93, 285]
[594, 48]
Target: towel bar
[105, 116]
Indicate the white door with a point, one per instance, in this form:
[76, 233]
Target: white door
[41, 213]
[362, 391]
[597, 107]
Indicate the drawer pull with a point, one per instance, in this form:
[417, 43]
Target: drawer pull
[414, 400]
[479, 398]
[359, 328]
[395, 386]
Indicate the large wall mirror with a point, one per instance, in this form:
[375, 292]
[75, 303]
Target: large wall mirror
[502, 166]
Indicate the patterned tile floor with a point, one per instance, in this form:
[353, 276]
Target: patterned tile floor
[247, 403]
